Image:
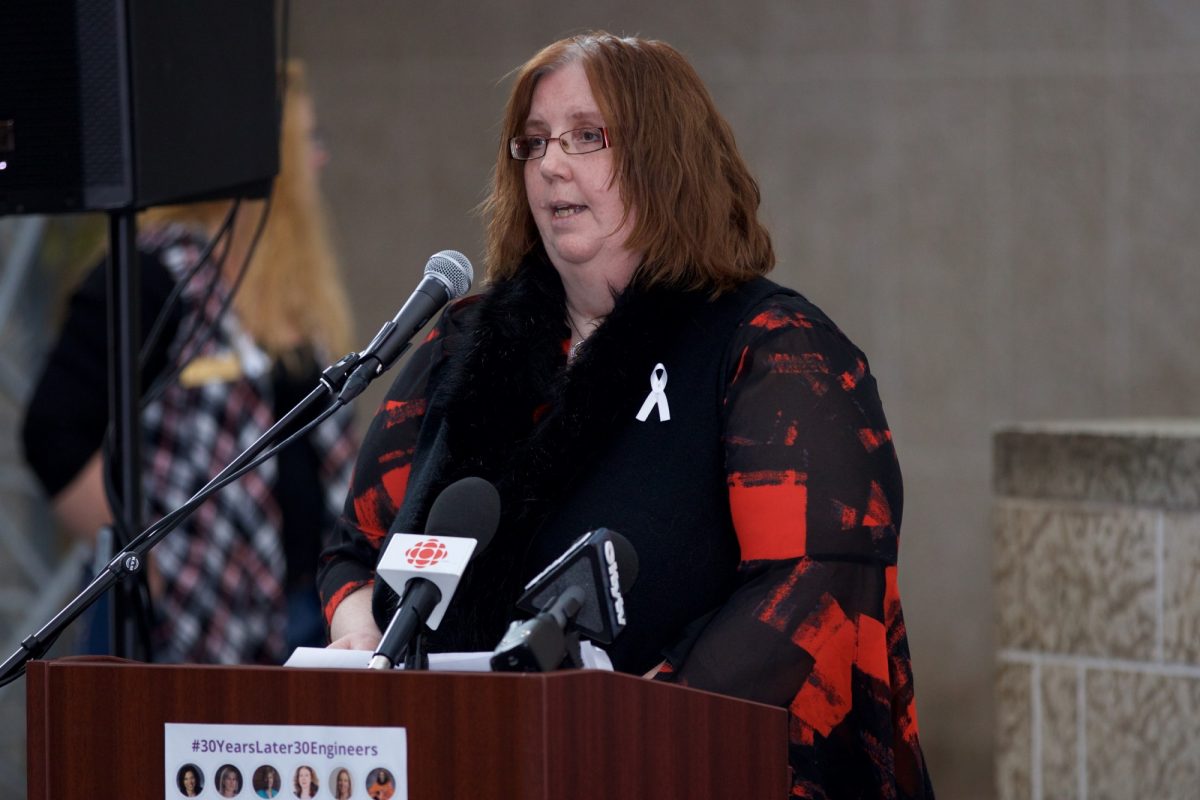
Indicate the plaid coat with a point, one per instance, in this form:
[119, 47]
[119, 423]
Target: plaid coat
[223, 570]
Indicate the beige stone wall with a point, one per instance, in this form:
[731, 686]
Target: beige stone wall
[1097, 574]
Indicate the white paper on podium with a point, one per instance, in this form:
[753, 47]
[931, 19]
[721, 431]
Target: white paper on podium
[326, 658]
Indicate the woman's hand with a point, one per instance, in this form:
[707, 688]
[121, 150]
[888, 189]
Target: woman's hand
[353, 626]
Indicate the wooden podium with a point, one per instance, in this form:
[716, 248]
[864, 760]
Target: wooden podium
[96, 729]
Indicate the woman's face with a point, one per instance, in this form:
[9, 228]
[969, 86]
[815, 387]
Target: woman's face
[574, 199]
[189, 782]
[229, 783]
[343, 784]
[304, 777]
[270, 776]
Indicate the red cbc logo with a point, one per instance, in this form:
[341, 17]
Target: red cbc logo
[425, 554]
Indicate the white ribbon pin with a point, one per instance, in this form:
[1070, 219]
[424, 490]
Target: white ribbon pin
[657, 397]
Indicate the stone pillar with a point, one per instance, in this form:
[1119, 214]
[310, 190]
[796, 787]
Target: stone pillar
[1097, 577]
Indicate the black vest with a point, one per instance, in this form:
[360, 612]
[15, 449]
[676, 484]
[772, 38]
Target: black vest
[564, 447]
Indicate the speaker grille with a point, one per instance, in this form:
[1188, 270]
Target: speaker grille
[103, 97]
[121, 104]
[39, 94]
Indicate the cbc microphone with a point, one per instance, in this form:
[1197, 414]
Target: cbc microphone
[425, 569]
[448, 276]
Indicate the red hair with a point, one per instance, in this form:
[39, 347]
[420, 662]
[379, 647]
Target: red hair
[675, 161]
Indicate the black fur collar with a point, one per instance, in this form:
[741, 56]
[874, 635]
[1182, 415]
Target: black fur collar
[512, 411]
[517, 415]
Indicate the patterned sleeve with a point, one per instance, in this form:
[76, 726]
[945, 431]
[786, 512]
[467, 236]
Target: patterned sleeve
[380, 478]
[815, 623]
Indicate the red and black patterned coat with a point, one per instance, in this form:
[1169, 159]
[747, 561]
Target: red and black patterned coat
[811, 619]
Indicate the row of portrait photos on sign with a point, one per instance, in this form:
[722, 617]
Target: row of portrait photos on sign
[379, 784]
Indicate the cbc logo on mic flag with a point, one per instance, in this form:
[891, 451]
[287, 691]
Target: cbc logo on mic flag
[439, 559]
[425, 553]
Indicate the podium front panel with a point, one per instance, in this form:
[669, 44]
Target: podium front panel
[96, 728]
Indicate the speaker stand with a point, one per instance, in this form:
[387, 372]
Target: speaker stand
[128, 620]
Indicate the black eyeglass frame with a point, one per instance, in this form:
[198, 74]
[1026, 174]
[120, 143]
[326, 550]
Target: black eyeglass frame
[604, 144]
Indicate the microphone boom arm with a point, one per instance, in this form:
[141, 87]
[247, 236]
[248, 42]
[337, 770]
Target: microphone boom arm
[448, 272]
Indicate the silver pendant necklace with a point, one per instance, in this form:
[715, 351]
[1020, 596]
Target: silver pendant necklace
[573, 350]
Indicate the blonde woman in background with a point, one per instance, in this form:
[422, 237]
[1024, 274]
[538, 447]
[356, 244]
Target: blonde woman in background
[234, 584]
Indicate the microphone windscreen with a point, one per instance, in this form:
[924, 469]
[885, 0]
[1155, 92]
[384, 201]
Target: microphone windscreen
[453, 269]
[470, 508]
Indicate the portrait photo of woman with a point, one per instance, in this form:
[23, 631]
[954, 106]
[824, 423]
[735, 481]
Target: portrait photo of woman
[229, 781]
[380, 785]
[266, 781]
[304, 782]
[190, 780]
[341, 784]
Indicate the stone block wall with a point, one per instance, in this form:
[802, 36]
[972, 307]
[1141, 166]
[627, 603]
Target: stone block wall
[1097, 580]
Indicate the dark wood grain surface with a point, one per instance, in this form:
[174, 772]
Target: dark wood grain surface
[95, 729]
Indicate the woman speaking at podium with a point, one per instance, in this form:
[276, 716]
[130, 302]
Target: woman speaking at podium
[628, 366]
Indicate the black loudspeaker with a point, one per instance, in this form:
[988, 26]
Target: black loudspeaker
[123, 104]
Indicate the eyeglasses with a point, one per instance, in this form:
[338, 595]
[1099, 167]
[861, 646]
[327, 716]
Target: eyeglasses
[575, 143]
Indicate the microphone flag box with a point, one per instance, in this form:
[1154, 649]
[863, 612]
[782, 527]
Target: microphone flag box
[602, 563]
[440, 560]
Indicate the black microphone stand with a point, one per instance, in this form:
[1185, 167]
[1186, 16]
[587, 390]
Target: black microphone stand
[124, 388]
[416, 657]
[128, 563]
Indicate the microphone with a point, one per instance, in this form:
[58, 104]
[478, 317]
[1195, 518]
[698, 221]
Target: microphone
[543, 643]
[448, 276]
[604, 564]
[582, 592]
[425, 569]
